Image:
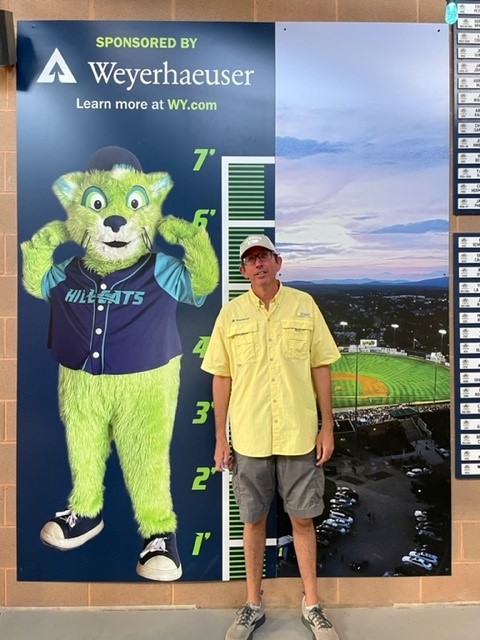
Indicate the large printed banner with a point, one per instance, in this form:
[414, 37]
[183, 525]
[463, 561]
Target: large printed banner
[330, 138]
[195, 101]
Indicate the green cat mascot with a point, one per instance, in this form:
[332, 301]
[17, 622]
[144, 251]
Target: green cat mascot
[114, 334]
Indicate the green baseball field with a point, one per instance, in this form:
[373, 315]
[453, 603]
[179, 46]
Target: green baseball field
[368, 379]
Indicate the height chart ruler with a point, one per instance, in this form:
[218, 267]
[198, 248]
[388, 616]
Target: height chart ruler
[467, 354]
[466, 157]
[247, 207]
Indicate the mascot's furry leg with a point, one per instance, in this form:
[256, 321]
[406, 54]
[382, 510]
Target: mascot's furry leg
[142, 430]
[137, 412]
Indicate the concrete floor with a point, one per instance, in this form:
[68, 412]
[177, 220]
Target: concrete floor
[446, 622]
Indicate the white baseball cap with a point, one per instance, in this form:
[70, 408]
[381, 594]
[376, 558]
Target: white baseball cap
[256, 241]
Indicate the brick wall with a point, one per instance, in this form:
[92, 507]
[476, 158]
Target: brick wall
[462, 586]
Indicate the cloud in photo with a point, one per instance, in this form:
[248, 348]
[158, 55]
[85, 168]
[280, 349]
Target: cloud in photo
[362, 176]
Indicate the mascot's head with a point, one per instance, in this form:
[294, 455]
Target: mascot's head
[113, 208]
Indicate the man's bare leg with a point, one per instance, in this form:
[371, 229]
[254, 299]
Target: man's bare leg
[254, 547]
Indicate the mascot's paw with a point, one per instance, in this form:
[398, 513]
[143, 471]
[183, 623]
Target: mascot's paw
[159, 559]
[176, 230]
[51, 235]
[69, 530]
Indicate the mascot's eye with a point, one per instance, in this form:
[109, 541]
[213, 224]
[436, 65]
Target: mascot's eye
[137, 198]
[94, 199]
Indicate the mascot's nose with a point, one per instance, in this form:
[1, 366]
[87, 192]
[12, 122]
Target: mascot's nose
[114, 222]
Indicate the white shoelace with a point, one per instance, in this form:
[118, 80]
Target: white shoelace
[318, 618]
[157, 544]
[69, 516]
[246, 615]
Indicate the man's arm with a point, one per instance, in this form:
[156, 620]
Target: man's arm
[322, 382]
[221, 387]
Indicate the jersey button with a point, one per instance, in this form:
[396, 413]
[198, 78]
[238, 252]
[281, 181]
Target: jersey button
[103, 286]
[98, 332]
[95, 354]
[100, 307]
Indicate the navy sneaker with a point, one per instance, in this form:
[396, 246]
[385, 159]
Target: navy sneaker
[68, 530]
[159, 559]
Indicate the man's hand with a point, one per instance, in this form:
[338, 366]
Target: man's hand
[223, 456]
[324, 445]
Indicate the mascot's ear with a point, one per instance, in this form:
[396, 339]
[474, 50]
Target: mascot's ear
[160, 185]
[66, 187]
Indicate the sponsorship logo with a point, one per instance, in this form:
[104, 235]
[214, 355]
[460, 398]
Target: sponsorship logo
[56, 69]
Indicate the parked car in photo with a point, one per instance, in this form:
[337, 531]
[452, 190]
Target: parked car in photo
[333, 522]
[340, 500]
[342, 521]
[419, 562]
[327, 526]
[346, 496]
[359, 565]
[322, 539]
[344, 510]
[420, 513]
[428, 526]
[434, 548]
[435, 516]
[329, 534]
[424, 533]
[340, 515]
[349, 490]
[425, 556]
[416, 471]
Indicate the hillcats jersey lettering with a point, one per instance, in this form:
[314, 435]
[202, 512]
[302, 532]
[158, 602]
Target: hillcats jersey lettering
[124, 322]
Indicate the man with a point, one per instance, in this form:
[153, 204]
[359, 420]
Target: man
[269, 354]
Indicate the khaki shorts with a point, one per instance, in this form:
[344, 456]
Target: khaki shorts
[300, 484]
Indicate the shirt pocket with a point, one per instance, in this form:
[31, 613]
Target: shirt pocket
[244, 339]
[296, 337]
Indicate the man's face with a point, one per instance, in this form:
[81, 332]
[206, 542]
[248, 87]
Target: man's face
[260, 266]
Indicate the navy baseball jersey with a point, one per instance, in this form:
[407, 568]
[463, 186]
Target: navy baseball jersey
[124, 322]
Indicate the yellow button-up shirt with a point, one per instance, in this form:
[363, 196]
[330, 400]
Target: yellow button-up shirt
[269, 355]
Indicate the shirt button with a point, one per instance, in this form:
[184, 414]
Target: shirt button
[103, 286]
[100, 307]
[98, 332]
[95, 354]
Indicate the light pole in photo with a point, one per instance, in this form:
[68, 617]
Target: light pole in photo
[442, 332]
[438, 359]
[394, 327]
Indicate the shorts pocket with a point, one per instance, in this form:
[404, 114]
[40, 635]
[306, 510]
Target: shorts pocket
[243, 338]
[296, 337]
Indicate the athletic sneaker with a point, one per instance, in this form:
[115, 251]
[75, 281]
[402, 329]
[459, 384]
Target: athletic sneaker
[159, 559]
[67, 530]
[317, 622]
[248, 618]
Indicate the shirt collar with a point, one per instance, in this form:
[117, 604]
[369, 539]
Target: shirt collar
[275, 300]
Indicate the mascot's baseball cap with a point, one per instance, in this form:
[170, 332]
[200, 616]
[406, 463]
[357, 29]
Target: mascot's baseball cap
[256, 241]
[106, 158]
